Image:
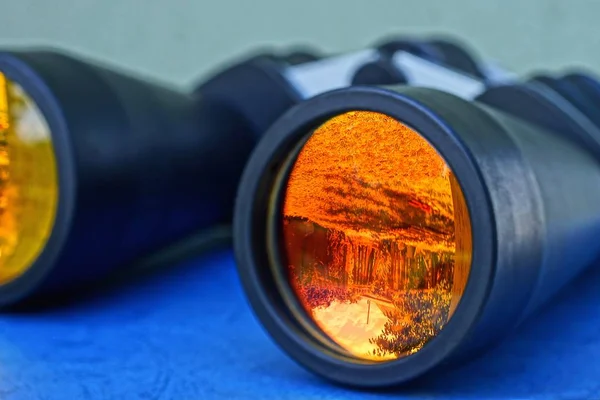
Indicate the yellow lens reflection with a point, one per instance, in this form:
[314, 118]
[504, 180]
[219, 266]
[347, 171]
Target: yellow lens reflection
[28, 181]
[377, 235]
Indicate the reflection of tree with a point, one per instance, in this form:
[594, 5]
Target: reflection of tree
[328, 265]
[317, 255]
[416, 317]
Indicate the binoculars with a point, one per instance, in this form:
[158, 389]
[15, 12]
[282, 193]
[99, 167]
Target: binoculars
[395, 209]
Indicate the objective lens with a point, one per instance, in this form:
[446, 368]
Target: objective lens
[376, 236]
[28, 181]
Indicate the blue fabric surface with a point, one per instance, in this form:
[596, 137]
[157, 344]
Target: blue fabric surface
[187, 333]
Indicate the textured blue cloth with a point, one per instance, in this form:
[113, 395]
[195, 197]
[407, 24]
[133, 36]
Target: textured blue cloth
[187, 333]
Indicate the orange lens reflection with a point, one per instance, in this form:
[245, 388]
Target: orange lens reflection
[377, 235]
[28, 181]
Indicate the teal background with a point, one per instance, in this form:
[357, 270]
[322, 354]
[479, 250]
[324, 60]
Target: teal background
[181, 40]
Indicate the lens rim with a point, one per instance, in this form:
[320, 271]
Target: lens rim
[250, 236]
[15, 68]
[274, 239]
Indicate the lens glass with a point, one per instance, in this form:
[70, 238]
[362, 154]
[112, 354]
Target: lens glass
[28, 181]
[377, 236]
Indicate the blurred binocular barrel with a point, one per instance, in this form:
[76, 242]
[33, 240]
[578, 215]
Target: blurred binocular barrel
[99, 168]
[265, 86]
[385, 233]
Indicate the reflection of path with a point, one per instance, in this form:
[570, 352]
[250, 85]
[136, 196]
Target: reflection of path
[347, 324]
[383, 304]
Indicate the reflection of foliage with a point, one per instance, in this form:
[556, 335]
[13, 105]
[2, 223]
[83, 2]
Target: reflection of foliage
[366, 174]
[382, 210]
[379, 288]
[418, 317]
[323, 296]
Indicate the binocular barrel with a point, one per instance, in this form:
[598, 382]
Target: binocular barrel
[102, 168]
[382, 234]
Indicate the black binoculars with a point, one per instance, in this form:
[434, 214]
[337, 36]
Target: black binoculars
[395, 209]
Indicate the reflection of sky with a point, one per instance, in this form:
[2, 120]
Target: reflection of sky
[347, 324]
[30, 125]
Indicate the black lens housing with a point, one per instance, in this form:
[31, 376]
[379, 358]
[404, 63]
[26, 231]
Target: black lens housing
[525, 228]
[256, 87]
